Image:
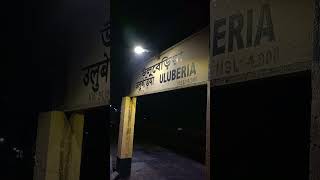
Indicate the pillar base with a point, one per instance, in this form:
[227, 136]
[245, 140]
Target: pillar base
[124, 167]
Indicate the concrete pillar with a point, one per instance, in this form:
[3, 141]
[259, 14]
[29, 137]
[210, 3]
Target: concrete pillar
[315, 106]
[208, 133]
[126, 133]
[58, 146]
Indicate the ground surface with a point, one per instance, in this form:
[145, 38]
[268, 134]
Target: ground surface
[156, 163]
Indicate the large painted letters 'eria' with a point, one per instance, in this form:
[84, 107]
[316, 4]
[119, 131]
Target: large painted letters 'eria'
[255, 39]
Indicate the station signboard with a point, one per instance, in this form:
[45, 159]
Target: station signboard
[88, 66]
[183, 65]
[253, 39]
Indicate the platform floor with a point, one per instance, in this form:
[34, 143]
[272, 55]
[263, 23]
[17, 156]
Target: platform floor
[157, 163]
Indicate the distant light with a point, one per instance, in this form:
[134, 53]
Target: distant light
[180, 129]
[139, 50]
[1, 140]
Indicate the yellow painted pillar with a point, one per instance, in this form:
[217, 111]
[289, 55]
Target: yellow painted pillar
[71, 147]
[126, 133]
[208, 133]
[58, 146]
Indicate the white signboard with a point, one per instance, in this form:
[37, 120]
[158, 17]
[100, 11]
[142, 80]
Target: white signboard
[257, 38]
[88, 71]
[183, 65]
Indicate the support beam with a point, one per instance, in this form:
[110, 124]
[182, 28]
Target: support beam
[126, 133]
[71, 144]
[315, 106]
[208, 132]
[59, 145]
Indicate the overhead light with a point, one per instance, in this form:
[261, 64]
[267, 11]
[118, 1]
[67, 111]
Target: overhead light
[140, 50]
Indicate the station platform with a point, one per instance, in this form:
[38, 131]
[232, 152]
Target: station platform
[157, 163]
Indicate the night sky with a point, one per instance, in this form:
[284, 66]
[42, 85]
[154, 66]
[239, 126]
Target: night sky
[157, 25]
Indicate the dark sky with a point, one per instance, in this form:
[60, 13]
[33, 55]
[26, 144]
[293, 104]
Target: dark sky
[157, 25]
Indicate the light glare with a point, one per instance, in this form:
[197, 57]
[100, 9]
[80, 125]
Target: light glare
[139, 50]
